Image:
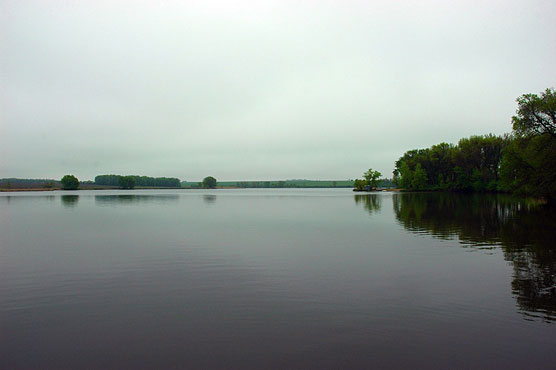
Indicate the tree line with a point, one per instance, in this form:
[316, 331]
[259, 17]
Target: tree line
[297, 183]
[15, 183]
[132, 180]
[472, 164]
[523, 162]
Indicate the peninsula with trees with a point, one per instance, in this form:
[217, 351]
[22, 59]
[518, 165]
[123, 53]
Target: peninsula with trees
[522, 162]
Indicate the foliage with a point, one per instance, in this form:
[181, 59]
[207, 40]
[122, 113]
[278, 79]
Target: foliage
[529, 163]
[209, 182]
[70, 182]
[473, 164]
[359, 184]
[419, 179]
[386, 183]
[536, 115]
[371, 178]
[126, 182]
[162, 182]
[529, 166]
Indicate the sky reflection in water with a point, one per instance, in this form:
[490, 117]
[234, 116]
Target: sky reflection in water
[275, 279]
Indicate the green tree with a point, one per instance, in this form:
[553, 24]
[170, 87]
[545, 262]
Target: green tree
[209, 182]
[477, 180]
[372, 178]
[126, 182]
[405, 176]
[419, 181]
[359, 184]
[70, 182]
[529, 162]
[536, 115]
[529, 167]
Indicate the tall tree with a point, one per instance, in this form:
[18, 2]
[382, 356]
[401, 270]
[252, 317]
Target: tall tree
[536, 115]
[371, 178]
[529, 163]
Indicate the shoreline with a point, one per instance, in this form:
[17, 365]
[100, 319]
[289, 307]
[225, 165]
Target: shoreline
[163, 188]
[87, 188]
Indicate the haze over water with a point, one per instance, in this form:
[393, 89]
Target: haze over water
[258, 90]
[275, 279]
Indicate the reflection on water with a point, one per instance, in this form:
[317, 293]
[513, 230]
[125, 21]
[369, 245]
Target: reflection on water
[111, 200]
[209, 198]
[69, 201]
[274, 278]
[21, 198]
[523, 229]
[371, 202]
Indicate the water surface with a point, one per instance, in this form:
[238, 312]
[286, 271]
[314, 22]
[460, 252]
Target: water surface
[281, 278]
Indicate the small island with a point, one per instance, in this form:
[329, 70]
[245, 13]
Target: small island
[369, 182]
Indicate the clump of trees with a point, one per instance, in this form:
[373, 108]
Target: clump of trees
[359, 185]
[69, 182]
[522, 162]
[209, 182]
[370, 180]
[163, 182]
[529, 162]
[126, 182]
[472, 164]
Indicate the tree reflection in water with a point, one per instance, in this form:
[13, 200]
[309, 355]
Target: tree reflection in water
[209, 198]
[134, 199]
[371, 202]
[524, 229]
[70, 201]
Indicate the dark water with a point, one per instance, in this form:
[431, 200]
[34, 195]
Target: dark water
[280, 279]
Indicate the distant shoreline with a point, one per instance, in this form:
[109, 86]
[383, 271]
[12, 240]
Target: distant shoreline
[17, 190]
[4, 190]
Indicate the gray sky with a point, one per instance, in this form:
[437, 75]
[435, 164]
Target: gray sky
[258, 89]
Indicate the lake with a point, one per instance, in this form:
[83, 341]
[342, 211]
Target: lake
[275, 278]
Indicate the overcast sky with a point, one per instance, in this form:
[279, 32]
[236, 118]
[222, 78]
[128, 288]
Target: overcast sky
[258, 89]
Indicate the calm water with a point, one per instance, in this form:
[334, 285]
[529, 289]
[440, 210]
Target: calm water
[280, 279]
